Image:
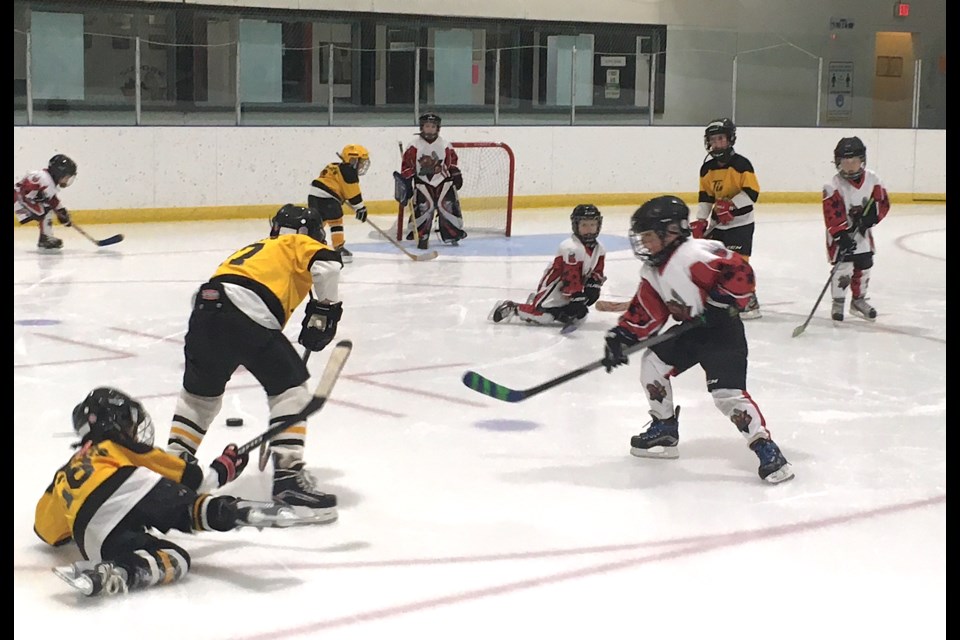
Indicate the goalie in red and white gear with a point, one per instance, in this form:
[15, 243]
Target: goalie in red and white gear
[36, 198]
[854, 201]
[728, 193]
[429, 174]
[571, 284]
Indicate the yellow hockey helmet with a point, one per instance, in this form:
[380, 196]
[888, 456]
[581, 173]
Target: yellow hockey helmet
[357, 156]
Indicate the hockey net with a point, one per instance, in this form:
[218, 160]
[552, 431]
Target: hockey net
[486, 198]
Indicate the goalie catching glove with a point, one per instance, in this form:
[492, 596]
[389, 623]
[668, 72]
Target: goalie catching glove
[320, 324]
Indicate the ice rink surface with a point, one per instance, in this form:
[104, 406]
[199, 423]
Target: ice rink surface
[464, 517]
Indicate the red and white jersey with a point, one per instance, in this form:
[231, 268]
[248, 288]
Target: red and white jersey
[841, 195]
[679, 288]
[37, 192]
[571, 269]
[428, 162]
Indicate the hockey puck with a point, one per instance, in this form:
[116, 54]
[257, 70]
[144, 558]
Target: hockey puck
[234, 422]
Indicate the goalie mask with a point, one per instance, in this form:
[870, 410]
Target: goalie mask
[294, 219]
[850, 158]
[62, 169]
[667, 216]
[430, 118]
[724, 127]
[357, 157]
[586, 213]
[108, 413]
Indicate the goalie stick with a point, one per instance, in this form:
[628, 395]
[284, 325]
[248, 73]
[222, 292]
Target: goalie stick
[412, 218]
[490, 388]
[100, 243]
[338, 358]
[423, 257]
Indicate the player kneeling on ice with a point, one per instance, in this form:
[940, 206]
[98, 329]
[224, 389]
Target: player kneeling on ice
[688, 280]
[571, 284]
[117, 485]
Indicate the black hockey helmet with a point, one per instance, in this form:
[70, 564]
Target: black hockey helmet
[300, 220]
[720, 126]
[429, 116]
[62, 169]
[586, 212]
[664, 215]
[850, 148]
[110, 413]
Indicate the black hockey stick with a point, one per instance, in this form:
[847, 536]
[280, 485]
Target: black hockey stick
[423, 257]
[489, 388]
[338, 358]
[801, 328]
[100, 243]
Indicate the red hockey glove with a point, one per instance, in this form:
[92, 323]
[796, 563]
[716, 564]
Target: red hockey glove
[229, 464]
[723, 211]
[698, 227]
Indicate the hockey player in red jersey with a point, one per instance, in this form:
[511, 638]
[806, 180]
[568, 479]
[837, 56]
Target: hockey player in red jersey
[854, 201]
[571, 283]
[432, 178]
[35, 197]
[684, 279]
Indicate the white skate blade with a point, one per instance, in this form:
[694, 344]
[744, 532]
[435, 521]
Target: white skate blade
[79, 581]
[277, 515]
[859, 314]
[751, 315]
[782, 474]
[665, 453]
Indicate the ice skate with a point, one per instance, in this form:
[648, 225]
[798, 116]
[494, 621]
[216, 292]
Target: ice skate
[295, 487]
[774, 468]
[92, 580]
[860, 307]
[423, 243]
[659, 440]
[49, 242]
[836, 311]
[503, 311]
[345, 255]
[752, 312]
[276, 515]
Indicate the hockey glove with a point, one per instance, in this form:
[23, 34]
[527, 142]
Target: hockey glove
[698, 227]
[723, 211]
[591, 292]
[63, 216]
[869, 217]
[456, 177]
[402, 188]
[846, 245]
[613, 355]
[229, 464]
[361, 214]
[320, 324]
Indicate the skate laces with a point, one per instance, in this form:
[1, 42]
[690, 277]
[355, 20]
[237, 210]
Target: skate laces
[113, 579]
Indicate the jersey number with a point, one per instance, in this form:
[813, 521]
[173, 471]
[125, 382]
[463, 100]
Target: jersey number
[247, 252]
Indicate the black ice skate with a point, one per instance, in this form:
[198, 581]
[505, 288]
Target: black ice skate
[49, 242]
[94, 579]
[659, 440]
[423, 243]
[752, 312]
[295, 487]
[836, 311]
[503, 311]
[774, 468]
[860, 307]
[345, 255]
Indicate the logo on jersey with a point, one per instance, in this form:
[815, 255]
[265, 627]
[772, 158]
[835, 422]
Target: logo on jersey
[429, 165]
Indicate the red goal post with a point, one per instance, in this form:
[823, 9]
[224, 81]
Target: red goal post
[486, 198]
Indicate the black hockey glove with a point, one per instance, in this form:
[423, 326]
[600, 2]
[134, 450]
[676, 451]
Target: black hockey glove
[456, 177]
[845, 243]
[361, 214]
[869, 217]
[320, 324]
[615, 341]
[229, 464]
[63, 216]
[592, 291]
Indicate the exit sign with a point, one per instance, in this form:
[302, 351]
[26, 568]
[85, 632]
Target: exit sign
[901, 9]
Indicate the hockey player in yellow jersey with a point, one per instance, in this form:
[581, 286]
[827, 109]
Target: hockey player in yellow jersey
[116, 486]
[238, 319]
[728, 193]
[339, 183]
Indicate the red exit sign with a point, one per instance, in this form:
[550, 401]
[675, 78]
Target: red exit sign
[901, 9]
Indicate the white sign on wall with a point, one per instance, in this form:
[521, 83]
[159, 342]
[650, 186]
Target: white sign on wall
[839, 90]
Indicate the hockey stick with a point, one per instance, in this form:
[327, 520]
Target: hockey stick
[338, 358]
[423, 257]
[489, 388]
[100, 243]
[413, 217]
[800, 329]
